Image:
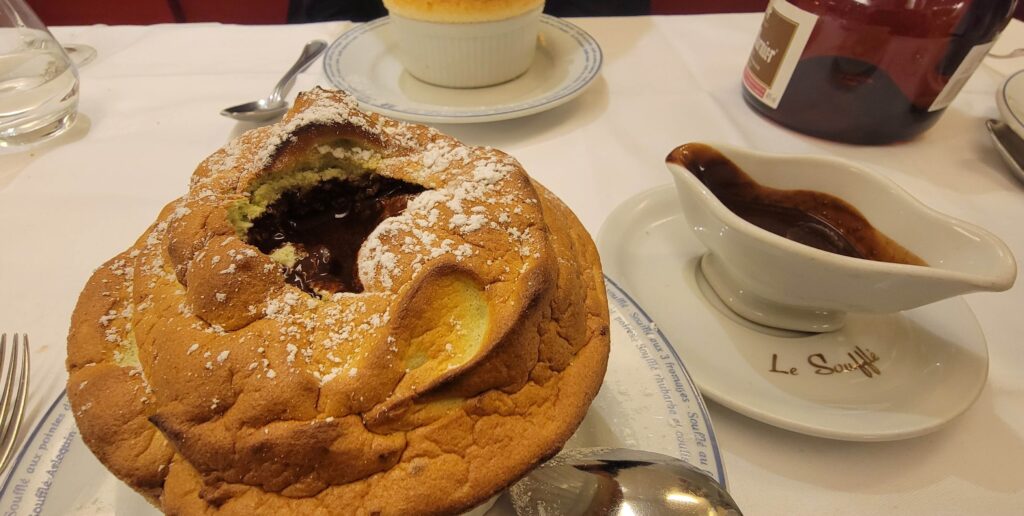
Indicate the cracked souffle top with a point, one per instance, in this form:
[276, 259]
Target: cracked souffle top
[345, 314]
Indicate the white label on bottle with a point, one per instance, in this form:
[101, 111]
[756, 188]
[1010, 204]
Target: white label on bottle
[961, 75]
[777, 49]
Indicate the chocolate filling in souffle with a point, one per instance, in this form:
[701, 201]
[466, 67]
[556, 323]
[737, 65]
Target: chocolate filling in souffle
[326, 225]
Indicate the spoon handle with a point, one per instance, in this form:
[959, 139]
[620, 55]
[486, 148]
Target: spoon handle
[310, 52]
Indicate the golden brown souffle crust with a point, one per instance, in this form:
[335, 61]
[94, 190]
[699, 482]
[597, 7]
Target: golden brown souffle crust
[461, 11]
[210, 384]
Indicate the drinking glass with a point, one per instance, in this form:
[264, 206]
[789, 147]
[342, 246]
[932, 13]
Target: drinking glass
[38, 82]
[80, 54]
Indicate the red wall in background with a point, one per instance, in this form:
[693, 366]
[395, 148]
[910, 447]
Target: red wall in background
[143, 12]
[111, 12]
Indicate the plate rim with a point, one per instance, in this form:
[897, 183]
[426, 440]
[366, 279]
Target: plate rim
[564, 92]
[722, 478]
[9, 474]
[807, 428]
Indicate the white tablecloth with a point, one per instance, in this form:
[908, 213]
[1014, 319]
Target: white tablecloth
[149, 114]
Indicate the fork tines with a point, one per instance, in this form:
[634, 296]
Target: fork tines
[14, 394]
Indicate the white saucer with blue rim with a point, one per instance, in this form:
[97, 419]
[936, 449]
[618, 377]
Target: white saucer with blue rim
[362, 62]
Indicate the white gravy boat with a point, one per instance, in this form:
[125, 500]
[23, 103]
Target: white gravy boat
[774, 281]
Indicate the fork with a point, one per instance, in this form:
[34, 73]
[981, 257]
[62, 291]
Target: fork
[12, 404]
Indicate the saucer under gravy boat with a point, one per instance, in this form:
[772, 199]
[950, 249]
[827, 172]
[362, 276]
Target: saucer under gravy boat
[777, 281]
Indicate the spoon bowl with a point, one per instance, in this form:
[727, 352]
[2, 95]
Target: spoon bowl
[616, 481]
[262, 109]
[274, 105]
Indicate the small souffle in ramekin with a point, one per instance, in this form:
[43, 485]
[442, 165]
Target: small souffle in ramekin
[465, 43]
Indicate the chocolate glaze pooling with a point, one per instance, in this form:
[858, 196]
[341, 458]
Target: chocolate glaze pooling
[816, 219]
[328, 224]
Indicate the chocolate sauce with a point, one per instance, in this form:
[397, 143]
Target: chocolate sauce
[327, 225]
[812, 218]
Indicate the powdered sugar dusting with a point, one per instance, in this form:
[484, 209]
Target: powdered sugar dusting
[472, 195]
[473, 185]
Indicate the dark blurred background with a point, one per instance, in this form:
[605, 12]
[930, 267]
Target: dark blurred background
[139, 12]
[142, 12]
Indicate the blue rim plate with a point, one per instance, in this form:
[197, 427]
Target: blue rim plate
[648, 402]
[362, 62]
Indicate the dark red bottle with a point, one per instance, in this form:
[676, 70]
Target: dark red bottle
[868, 71]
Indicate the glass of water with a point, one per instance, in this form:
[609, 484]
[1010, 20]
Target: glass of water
[38, 82]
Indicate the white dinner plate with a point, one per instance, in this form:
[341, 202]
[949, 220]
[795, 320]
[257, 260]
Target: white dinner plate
[362, 62]
[647, 402]
[922, 367]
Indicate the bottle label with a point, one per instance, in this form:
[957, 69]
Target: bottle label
[784, 34]
[961, 75]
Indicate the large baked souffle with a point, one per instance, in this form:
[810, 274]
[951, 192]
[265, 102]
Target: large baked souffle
[345, 314]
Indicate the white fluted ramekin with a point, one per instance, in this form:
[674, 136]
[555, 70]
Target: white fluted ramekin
[467, 55]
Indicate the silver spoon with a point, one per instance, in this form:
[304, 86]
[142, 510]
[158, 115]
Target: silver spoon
[274, 104]
[615, 481]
